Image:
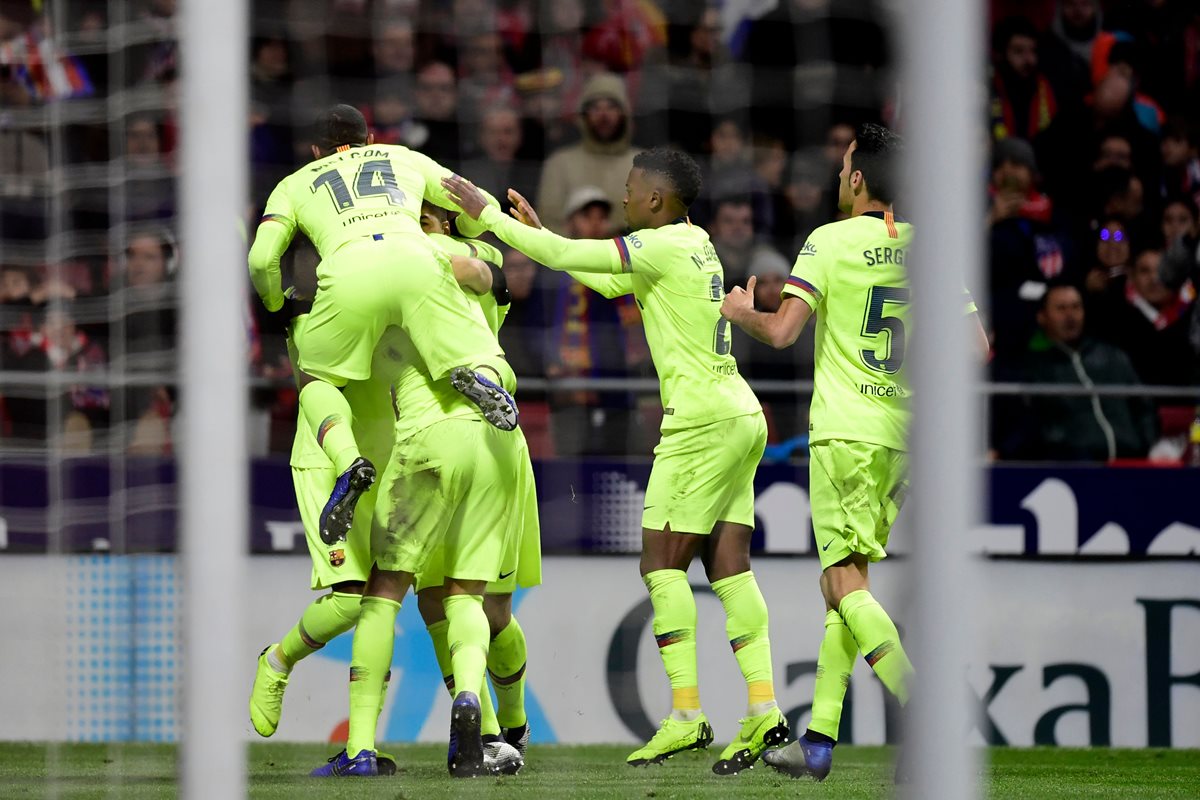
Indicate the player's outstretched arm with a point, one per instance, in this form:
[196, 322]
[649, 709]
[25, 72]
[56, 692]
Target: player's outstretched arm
[779, 329]
[472, 274]
[270, 242]
[544, 246]
[435, 192]
[608, 285]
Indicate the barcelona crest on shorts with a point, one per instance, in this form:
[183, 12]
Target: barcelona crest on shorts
[337, 558]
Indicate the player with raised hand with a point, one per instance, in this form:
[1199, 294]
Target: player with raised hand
[700, 497]
[854, 275]
[359, 203]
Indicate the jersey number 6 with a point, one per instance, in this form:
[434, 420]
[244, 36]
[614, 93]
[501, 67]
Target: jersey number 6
[875, 322]
[373, 178]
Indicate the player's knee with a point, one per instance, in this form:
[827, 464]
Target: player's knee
[498, 608]
[429, 603]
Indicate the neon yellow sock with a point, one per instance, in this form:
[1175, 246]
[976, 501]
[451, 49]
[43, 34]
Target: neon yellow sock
[326, 618]
[441, 651]
[488, 724]
[468, 635]
[506, 666]
[878, 641]
[370, 661]
[746, 625]
[835, 663]
[328, 415]
[675, 632]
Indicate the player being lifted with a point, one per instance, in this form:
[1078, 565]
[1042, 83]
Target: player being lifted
[700, 497]
[359, 203]
[342, 568]
[854, 275]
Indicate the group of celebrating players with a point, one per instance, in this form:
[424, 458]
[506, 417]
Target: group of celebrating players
[399, 365]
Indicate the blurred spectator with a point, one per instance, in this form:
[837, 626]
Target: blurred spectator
[1027, 245]
[150, 188]
[771, 160]
[484, 77]
[733, 235]
[1119, 193]
[624, 33]
[603, 158]
[562, 65]
[681, 93]
[497, 167]
[437, 111]
[1072, 427]
[1104, 280]
[811, 194]
[1181, 162]
[56, 344]
[757, 361]
[585, 338]
[521, 334]
[1165, 31]
[393, 48]
[1180, 220]
[814, 60]
[1071, 146]
[149, 300]
[730, 173]
[1023, 101]
[390, 116]
[1067, 54]
[1153, 329]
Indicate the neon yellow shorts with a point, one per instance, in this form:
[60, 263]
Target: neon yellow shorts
[521, 564]
[856, 490]
[401, 280]
[702, 476]
[345, 561]
[449, 484]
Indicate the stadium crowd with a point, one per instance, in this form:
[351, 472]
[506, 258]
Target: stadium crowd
[1093, 112]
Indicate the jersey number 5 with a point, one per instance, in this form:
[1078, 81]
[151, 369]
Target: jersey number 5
[373, 178]
[876, 322]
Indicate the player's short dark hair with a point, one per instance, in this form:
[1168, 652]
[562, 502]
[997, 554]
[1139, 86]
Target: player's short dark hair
[340, 125]
[680, 170]
[877, 156]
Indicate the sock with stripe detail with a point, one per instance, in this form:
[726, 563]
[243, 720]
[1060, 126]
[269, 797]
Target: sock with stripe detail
[675, 633]
[878, 641]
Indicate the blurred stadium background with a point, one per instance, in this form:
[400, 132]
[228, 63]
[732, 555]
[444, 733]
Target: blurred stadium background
[1089, 153]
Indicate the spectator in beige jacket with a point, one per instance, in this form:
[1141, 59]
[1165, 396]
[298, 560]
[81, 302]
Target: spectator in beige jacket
[602, 158]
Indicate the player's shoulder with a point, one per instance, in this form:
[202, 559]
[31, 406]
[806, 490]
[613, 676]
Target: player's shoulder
[674, 233]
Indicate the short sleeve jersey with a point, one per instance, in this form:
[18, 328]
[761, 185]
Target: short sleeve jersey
[357, 192]
[854, 275]
[678, 284]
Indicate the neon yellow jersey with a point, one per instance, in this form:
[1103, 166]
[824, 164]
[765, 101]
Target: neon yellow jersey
[360, 191]
[674, 274]
[854, 275]
[357, 192]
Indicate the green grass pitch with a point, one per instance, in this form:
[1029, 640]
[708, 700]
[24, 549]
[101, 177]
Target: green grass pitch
[135, 771]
